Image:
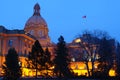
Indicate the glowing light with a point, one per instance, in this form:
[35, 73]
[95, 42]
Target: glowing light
[73, 59]
[112, 72]
[81, 72]
[52, 67]
[78, 40]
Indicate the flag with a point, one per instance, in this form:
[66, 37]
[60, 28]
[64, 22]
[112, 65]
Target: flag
[83, 16]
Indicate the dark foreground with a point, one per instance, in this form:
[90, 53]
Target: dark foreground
[76, 78]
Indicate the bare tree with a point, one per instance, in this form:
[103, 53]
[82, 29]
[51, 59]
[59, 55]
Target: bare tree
[90, 42]
[89, 45]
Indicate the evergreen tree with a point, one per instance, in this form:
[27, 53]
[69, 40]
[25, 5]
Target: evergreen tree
[48, 62]
[11, 67]
[35, 57]
[47, 56]
[61, 60]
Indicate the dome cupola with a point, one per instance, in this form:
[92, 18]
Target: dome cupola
[36, 10]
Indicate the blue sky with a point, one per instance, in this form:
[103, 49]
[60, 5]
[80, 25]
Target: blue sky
[64, 17]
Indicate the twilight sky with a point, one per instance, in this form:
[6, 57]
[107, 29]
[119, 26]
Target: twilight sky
[64, 17]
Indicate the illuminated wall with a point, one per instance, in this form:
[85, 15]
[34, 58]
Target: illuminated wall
[21, 42]
[80, 68]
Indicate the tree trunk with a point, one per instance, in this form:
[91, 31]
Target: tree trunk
[92, 68]
[36, 73]
[36, 68]
[87, 68]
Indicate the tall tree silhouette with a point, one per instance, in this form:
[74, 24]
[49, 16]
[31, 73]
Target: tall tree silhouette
[11, 67]
[61, 60]
[118, 59]
[47, 59]
[35, 57]
[106, 56]
[47, 56]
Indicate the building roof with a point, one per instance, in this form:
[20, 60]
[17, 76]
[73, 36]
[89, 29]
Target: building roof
[15, 31]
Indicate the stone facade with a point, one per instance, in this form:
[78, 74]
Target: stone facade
[14, 38]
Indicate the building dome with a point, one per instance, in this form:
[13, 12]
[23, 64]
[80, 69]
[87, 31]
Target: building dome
[36, 19]
[37, 26]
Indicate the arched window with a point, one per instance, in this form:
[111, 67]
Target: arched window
[40, 33]
[10, 43]
[31, 32]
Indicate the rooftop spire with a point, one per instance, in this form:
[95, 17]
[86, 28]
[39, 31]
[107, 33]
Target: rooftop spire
[36, 10]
